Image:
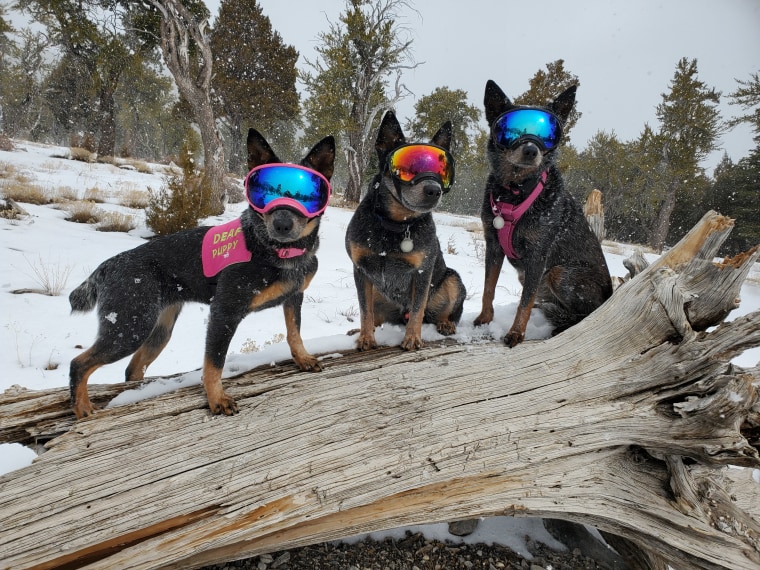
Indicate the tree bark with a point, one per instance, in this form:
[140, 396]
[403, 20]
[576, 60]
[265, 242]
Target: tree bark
[627, 422]
[594, 213]
[193, 79]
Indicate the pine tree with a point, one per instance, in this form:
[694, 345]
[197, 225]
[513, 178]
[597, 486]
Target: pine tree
[747, 96]
[545, 86]
[690, 126]
[254, 77]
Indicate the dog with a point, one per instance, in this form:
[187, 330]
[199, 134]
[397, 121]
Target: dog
[264, 258]
[399, 270]
[529, 217]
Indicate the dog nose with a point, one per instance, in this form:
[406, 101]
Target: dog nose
[432, 190]
[282, 224]
[530, 151]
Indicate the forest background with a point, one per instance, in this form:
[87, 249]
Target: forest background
[153, 79]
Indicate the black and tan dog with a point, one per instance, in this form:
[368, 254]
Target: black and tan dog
[263, 259]
[530, 217]
[399, 270]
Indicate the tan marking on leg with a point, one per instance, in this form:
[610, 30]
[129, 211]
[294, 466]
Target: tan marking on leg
[489, 291]
[516, 334]
[82, 406]
[147, 354]
[302, 358]
[442, 303]
[413, 335]
[270, 294]
[358, 252]
[218, 401]
[366, 340]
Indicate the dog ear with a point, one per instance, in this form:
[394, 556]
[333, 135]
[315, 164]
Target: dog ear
[443, 137]
[563, 104]
[495, 101]
[389, 136]
[259, 151]
[322, 157]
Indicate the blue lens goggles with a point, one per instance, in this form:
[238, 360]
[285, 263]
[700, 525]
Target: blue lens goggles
[525, 123]
[289, 185]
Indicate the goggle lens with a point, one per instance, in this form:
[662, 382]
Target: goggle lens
[536, 124]
[271, 185]
[408, 162]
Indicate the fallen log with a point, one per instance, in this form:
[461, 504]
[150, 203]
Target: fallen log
[631, 422]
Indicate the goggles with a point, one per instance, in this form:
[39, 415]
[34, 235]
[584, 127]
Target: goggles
[538, 125]
[303, 189]
[413, 162]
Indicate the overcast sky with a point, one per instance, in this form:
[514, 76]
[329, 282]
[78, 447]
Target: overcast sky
[623, 52]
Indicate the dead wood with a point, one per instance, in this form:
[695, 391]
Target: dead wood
[594, 213]
[630, 421]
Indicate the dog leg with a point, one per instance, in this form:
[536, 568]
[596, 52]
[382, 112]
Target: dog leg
[445, 303]
[218, 401]
[154, 344]
[365, 295]
[531, 282]
[494, 262]
[420, 292]
[79, 372]
[292, 310]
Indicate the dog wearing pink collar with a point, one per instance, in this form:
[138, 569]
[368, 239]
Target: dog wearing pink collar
[530, 218]
[263, 259]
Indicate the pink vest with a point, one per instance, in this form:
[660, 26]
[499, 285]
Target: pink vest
[222, 246]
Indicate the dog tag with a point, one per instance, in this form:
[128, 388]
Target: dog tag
[498, 222]
[407, 245]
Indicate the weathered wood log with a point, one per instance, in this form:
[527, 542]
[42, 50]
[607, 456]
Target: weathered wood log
[594, 213]
[628, 421]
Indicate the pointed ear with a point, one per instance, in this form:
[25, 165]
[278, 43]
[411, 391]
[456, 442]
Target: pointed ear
[322, 157]
[390, 134]
[259, 151]
[563, 104]
[495, 101]
[443, 137]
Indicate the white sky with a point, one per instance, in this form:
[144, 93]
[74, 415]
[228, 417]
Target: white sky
[624, 52]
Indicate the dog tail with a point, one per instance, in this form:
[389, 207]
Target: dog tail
[84, 297]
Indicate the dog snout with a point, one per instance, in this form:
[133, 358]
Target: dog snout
[530, 152]
[282, 224]
[432, 190]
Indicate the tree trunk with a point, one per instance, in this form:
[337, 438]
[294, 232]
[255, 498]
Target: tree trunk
[594, 213]
[193, 79]
[662, 224]
[627, 422]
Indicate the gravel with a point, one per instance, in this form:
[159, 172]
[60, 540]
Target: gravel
[415, 552]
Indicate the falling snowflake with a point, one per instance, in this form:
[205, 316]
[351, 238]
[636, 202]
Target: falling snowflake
[111, 317]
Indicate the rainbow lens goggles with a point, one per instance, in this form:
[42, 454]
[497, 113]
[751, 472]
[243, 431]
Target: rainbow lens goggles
[413, 162]
[538, 125]
[272, 185]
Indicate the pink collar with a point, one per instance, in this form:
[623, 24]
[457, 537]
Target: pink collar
[511, 215]
[288, 252]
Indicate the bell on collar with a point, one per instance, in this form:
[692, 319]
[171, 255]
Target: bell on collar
[498, 222]
[407, 244]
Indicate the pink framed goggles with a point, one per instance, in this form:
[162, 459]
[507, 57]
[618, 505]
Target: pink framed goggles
[278, 184]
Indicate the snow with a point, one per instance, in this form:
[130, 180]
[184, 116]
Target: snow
[39, 336]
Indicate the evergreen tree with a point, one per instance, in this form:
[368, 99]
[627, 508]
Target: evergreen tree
[545, 86]
[747, 96]
[349, 88]
[254, 77]
[690, 126]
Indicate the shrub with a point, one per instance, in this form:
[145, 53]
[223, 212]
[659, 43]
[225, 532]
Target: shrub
[134, 198]
[82, 154]
[84, 213]
[6, 143]
[94, 194]
[21, 191]
[182, 200]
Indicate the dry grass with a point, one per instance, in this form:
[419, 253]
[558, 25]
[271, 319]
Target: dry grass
[25, 192]
[51, 278]
[96, 195]
[84, 212]
[132, 197]
[82, 155]
[116, 222]
[65, 194]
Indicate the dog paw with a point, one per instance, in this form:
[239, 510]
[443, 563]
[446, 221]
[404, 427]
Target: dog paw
[513, 338]
[83, 409]
[366, 343]
[308, 363]
[225, 405]
[411, 342]
[446, 328]
[482, 319]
